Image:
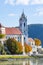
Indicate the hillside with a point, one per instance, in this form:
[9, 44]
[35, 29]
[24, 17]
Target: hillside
[36, 31]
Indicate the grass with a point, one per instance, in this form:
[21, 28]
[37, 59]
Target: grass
[16, 57]
[13, 56]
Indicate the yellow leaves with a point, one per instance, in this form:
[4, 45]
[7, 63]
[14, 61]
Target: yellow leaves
[20, 48]
[16, 47]
[37, 42]
[27, 48]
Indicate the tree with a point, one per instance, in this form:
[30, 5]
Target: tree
[20, 48]
[37, 42]
[14, 46]
[2, 36]
[27, 48]
[2, 51]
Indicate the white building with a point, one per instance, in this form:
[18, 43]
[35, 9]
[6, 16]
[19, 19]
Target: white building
[11, 33]
[31, 42]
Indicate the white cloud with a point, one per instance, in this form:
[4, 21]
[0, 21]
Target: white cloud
[11, 2]
[17, 2]
[11, 14]
[27, 2]
[37, 2]
[39, 12]
[23, 2]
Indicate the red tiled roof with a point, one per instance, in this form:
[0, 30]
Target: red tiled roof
[30, 40]
[11, 31]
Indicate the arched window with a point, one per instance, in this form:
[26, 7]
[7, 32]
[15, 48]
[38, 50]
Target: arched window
[24, 38]
[24, 24]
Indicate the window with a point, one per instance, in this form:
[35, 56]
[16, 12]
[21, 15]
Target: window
[24, 24]
[18, 38]
[24, 38]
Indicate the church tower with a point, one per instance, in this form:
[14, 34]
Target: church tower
[23, 26]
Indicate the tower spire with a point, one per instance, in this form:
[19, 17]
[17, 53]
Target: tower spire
[23, 15]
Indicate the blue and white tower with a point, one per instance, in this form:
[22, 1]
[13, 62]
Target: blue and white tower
[23, 26]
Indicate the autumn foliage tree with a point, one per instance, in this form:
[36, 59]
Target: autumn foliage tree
[20, 48]
[27, 48]
[14, 46]
[37, 42]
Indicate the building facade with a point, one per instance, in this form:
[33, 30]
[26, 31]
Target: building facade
[10, 32]
[31, 42]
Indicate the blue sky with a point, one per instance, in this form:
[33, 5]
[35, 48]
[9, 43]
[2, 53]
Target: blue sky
[11, 10]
